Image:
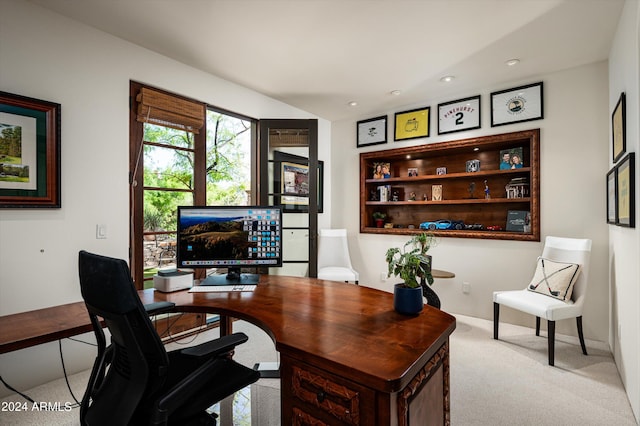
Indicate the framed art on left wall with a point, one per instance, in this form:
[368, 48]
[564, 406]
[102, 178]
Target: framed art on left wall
[29, 152]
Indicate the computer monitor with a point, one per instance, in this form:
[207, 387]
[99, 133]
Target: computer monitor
[230, 237]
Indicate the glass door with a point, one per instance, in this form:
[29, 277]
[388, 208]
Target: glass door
[289, 179]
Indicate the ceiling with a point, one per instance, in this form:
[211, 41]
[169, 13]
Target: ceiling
[319, 55]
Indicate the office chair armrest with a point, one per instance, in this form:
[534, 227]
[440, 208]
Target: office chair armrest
[218, 346]
[156, 308]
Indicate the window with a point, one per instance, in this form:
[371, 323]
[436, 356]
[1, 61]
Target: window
[181, 158]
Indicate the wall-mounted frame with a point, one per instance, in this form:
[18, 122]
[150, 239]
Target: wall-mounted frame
[291, 176]
[412, 124]
[459, 115]
[618, 128]
[372, 131]
[612, 201]
[29, 152]
[625, 191]
[524, 103]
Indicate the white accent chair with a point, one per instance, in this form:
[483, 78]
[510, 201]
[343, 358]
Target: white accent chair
[334, 262]
[569, 250]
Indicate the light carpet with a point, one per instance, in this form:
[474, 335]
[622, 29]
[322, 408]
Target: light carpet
[505, 382]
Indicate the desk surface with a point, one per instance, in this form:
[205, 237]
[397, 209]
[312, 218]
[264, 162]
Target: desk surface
[349, 330]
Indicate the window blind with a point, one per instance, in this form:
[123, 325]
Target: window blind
[170, 111]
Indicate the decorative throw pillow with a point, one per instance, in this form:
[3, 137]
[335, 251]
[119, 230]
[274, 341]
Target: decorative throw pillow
[555, 279]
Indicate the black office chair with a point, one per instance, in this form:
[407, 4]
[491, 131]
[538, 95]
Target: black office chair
[135, 380]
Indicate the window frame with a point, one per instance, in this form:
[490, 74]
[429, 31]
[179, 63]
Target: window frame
[136, 174]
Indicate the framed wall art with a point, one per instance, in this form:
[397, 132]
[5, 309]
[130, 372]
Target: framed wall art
[29, 152]
[625, 191]
[612, 202]
[372, 131]
[412, 124]
[291, 183]
[524, 103]
[618, 128]
[456, 116]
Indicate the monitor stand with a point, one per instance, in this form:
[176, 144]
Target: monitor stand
[233, 277]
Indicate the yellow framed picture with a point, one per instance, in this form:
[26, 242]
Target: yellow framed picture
[412, 124]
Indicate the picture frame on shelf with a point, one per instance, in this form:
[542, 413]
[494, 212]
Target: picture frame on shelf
[381, 170]
[441, 170]
[612, 200]
[625, 191]
[618, 128]
[372, 131]
[472, 166]
[412, 171]
[436, 192]
[518, 104]
[30, 152]
[459, 115]
[511, 158]
[291, 176]
[412, 124]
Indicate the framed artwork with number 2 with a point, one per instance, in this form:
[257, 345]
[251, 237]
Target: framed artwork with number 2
[459, 115]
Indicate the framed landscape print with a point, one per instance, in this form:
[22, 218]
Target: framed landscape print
[29, 152]
[524, 103]
[456, 116]
[412, 124]
[625, 191]
[372, 131]
[618, 128]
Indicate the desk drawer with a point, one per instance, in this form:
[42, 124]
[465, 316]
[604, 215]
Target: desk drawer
[342, 400]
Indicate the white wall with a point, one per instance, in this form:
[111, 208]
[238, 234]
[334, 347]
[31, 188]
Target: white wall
[624, 246]
[46, 56]
[573, 164]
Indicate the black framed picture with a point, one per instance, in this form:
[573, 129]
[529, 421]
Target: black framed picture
[618, 128]
[625, 191]
[291, 183]
[372, 131]
[524, 103]
[29, 152]
[459, 115]
[412, 124]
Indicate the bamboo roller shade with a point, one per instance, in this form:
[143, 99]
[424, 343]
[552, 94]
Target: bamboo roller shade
[169, 111]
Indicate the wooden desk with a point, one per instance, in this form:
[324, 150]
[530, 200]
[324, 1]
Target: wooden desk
[19, 331]
[346, 356]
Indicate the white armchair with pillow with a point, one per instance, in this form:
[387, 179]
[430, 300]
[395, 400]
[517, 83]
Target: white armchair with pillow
[557, 290]
[334, 262]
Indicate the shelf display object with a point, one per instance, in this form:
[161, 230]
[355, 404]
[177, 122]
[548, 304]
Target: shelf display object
[488, 186]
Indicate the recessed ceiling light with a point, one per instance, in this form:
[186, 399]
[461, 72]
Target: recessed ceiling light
[353, 103]
[447, 78]
[476, 149]
[395, 92]
[512, 62]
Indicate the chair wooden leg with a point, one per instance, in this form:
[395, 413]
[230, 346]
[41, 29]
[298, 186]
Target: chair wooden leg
[537, 326]
[551, 330]
[496, 317]
[580, 335]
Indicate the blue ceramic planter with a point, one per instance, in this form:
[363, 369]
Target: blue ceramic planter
[406, 300]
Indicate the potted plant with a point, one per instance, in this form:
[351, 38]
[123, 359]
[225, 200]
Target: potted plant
[413, 266]
[379, 218]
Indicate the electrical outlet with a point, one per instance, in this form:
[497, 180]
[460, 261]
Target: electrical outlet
[466, 287]
[383, 276]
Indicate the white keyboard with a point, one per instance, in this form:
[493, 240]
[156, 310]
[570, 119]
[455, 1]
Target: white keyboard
[222, 288]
